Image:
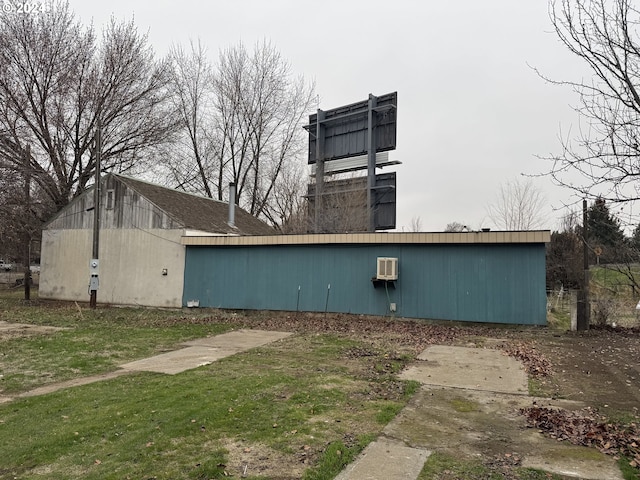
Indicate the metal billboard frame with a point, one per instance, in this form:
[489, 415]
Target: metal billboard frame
[344, 130]
[365, 127]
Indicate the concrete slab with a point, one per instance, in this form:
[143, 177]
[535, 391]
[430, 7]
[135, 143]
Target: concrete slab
[476, 424]
[240, 340]
[470, 368]
[6, 326]
[561, 462]
[468, 407]
[386, 459]
[179, 360]
[205, 351]
[75, 382]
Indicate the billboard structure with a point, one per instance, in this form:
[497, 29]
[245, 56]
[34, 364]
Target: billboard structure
[355, 137]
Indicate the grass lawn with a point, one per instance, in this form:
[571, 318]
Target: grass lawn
[299, 408]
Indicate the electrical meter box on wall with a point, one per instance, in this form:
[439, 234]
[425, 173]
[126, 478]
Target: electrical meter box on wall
[93, 266]
[387, 268]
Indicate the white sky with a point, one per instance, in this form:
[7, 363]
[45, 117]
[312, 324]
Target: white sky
[472, 114]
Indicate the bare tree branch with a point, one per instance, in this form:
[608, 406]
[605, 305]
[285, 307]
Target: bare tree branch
[191, 84]
[260, 108]
[603, 158]
[55, 81]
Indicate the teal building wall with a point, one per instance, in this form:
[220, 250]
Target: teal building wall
[496, 283]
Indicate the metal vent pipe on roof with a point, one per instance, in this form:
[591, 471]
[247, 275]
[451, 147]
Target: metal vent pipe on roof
[232, 204]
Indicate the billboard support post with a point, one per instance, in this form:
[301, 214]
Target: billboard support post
[371, 163]
[319, 170]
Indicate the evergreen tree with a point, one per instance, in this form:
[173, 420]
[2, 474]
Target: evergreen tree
[564, 260]
[605, 232]
[635, 239]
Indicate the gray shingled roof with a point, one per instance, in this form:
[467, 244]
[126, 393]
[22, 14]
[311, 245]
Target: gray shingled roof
[196, 212]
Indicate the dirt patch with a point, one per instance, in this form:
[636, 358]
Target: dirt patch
[600, 368]
[392, 333]
[253, 459]
[17, 330]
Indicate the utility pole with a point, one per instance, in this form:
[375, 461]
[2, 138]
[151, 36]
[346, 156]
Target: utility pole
[93, 266]
[27, 215]
[584, 307]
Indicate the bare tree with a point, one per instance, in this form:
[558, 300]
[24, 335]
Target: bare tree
[343, 208]
[455, 227]
[571, 221]
[287, 205]
[11, 211]
[345, 211]
[602, 160]
[57, 80]
[415, 225]
[260, 108]
[22, 212]
[298, 221]
[518, 206]
[241, 122]
[193, 159]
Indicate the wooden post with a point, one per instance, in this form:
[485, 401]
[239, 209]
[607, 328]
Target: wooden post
[584, 307]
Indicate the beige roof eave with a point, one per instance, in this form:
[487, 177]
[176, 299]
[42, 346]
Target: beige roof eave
[535, 236]
[199, 233]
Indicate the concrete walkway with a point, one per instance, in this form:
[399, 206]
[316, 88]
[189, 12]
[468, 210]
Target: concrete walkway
[473, 368]
[205, 351]
[468, 407]
[196, 353]
[386, 459]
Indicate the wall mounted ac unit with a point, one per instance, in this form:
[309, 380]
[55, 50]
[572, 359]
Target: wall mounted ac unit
[387, 268]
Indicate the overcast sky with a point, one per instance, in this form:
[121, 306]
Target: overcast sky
[472, 113]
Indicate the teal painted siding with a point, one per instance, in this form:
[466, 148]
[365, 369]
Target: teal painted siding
[500, 283]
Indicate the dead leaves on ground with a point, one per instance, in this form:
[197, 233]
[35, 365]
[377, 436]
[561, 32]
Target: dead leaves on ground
[403, 334]
[413, 335]
[588, 428]
[535, 363]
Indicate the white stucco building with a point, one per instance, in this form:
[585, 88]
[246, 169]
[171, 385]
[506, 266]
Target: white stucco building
[141, 257]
